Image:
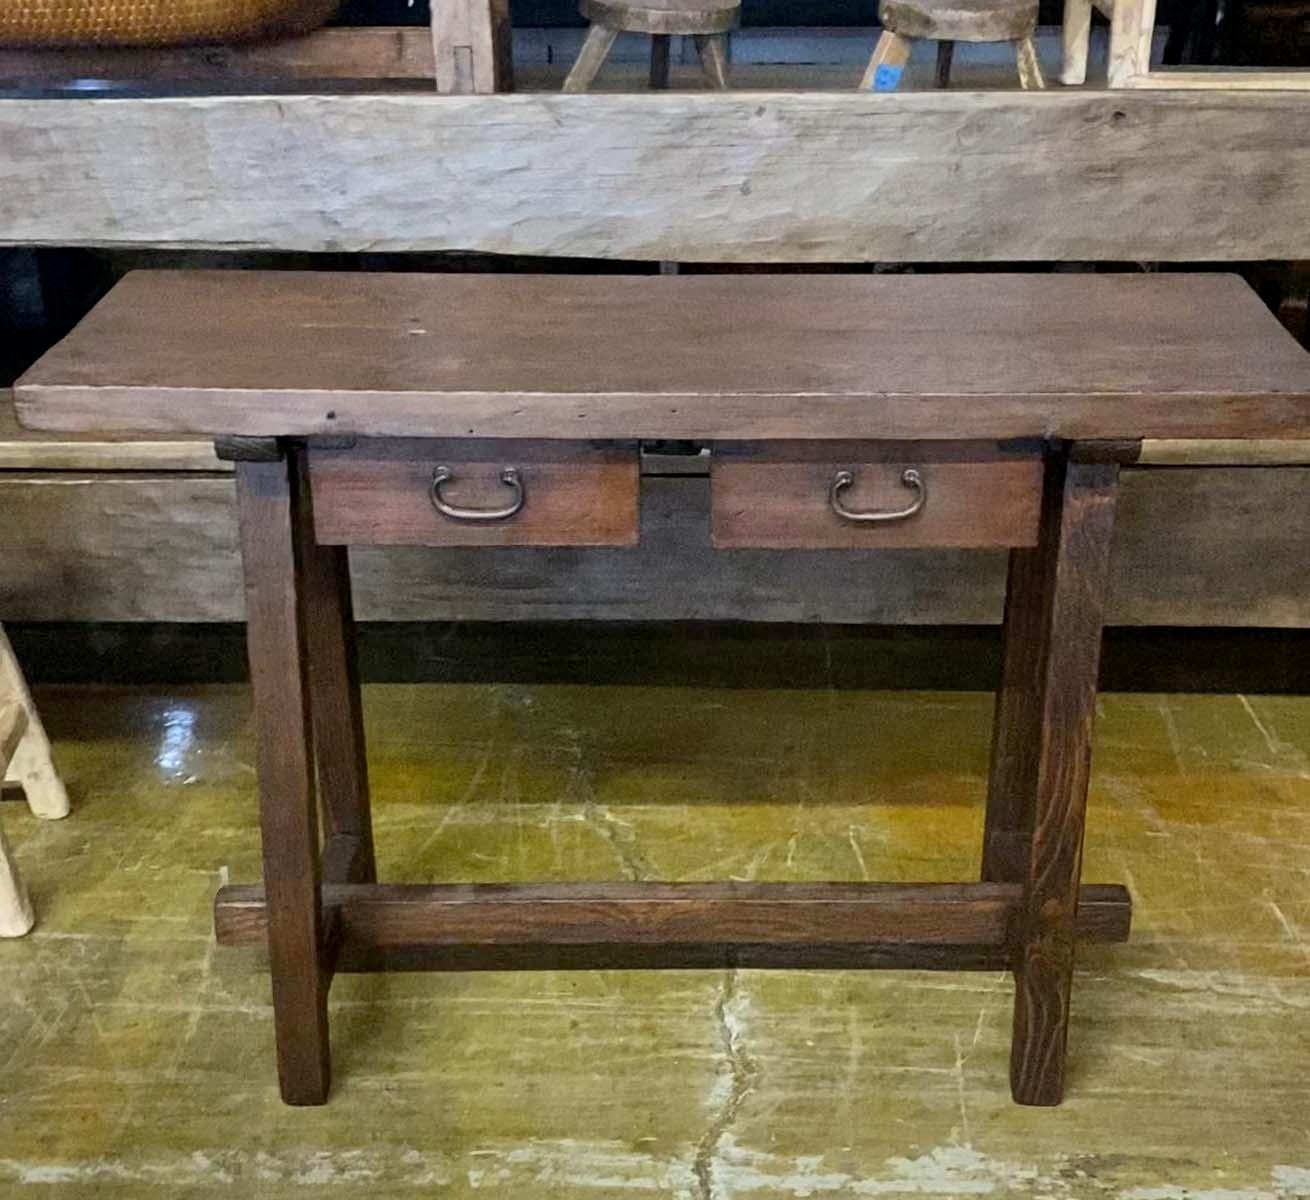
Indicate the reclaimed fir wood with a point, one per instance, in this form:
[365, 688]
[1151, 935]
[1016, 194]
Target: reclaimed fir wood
[672, 914]
[275, 540]
[928, 176]
[378, 493]
[1066, 582]
[866, 357]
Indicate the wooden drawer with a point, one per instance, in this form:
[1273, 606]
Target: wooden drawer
[942, 494]
[387, 492]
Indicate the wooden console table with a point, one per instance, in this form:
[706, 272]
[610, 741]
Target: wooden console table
[842, 412]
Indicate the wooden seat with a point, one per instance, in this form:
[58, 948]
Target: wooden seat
[946, 22]
[707, 21]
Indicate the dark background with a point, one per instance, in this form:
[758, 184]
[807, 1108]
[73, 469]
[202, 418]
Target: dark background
[1238, 32]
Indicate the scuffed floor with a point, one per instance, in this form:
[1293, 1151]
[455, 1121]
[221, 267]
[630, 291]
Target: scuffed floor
[137, 1059]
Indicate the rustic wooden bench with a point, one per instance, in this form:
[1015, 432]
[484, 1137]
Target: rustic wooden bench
[842, 412]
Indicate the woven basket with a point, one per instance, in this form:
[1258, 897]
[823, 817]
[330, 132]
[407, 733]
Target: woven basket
[155, 22]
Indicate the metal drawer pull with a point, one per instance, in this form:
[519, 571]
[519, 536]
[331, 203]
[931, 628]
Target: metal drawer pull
[911, 479]
[509, 476]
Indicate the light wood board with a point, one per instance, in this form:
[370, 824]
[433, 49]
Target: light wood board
[742, 177]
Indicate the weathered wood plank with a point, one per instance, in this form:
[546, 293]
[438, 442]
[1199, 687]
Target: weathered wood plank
[927, 176]
[1213, 546]
[1013, 355]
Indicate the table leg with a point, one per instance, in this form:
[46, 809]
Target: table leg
[1040, 782]
[337, 717]
[276, 542]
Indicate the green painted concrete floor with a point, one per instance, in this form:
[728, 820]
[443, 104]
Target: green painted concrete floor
[137, 1058]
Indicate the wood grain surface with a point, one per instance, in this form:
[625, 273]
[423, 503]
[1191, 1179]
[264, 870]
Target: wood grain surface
[905, 176]
[796, 914]
[275, 535]
[378, 493]
[782, 505]
[1066, 582]
[760, 357]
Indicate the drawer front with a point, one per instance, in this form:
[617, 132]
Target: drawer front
[421, 492]
[875, 496]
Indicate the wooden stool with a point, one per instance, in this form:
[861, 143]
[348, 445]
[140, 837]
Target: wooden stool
[947, 22]
[708, 21]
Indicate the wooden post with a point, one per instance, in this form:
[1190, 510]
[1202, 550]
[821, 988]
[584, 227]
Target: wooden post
[1044, 753]
[472, 46]
[276, 541]
[1076, 38]
[1132, 27]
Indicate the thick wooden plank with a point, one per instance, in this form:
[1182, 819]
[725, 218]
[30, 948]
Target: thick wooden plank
[366, 53]
[380, 493]
[275, 535]
[687, 914]
[907, 176]
[1066, 581]
[1195, 547]
[1002, 356]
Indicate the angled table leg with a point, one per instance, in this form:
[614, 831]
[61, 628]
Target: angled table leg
[1042, 754]
[276, 544]
[337, 717]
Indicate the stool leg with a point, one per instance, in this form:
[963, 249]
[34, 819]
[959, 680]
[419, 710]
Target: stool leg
[890, 55]
[16, 915]
[276, 540]
[1067, 585]
[1030, 71]
[659, 61]
[1077, 36]
[713, 51]
[337, 717]
[945, 56]
[594, 49]
[31, 765]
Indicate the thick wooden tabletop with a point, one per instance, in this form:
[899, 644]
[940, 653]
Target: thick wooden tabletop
[712, 356]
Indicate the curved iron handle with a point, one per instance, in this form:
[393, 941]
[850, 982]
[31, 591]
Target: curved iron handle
[509, 476]
[911, 479]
